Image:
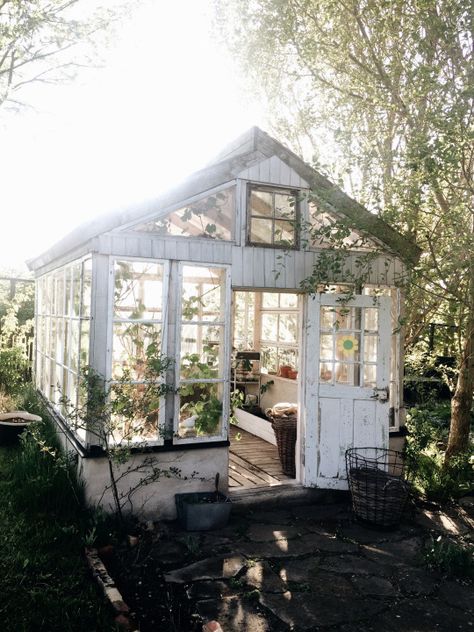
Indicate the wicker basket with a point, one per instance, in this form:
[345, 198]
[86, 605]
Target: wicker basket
[285, 434]
[379, 491]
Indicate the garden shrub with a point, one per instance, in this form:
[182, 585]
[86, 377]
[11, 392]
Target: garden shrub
[13, 370]
[428, 432]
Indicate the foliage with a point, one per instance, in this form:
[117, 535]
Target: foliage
[450, 558]
[46, 41]
[13, 370]
[384, 95]
[43, 579]
[426, 443]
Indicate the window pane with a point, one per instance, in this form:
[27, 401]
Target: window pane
[76, 289]
[270, 300]
[200, 410]
[211, 217]
[203, 293]
[270, 327]
[86, 288]
[127, 427]
[130, 344]
[284, 232]
[285, 206]
[288, 301]
[68, 310]
[288, 329]
[201, 351]
[261, 203]
[74, 351]
[85, 327]
[138, 290]
[261, 231]
[269, 358]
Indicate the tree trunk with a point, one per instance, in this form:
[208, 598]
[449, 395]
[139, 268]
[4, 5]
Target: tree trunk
[462, 401]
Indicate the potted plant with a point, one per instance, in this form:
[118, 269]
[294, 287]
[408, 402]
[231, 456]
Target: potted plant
[203, 511]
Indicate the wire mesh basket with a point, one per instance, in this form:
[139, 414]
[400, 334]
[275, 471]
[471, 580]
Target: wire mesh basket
[285, 434]
[377, 483]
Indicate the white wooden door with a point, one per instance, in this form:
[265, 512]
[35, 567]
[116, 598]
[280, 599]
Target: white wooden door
[345, 391]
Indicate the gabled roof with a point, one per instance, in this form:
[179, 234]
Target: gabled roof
[247, 150]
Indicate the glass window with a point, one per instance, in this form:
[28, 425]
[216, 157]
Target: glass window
[272, 217]
[137, 339]
[279, 331]
[63, 311]
[203, 332]
[211, 217]
[347, 347]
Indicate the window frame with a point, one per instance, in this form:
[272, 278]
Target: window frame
[225, 380]
[274, 190]
[277, 344]
[159, 441]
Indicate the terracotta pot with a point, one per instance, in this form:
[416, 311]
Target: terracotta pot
[284, 370]
[292, 374]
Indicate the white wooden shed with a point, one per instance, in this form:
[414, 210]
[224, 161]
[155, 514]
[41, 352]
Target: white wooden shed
[221, 272]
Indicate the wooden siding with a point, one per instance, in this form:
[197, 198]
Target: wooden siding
[275, 172]
[252, 267]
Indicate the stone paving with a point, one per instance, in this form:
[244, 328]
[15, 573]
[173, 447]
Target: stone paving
[312, 568]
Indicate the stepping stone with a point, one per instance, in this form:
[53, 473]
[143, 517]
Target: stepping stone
[236, 614]
[296, 548]
[210, 568]
[354, 565]
[401, 553]
[270, 533]
[321, 513]
[324, 605]
[373, 586]
[301, 571]
[200, 591]
[261, 577]
[417, 582]
[365, 535]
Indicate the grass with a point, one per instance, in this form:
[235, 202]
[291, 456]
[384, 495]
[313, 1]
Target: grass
[44, 582]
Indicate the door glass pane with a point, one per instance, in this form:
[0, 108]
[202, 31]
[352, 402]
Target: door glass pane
[326, 371]
[270, 327]
[371, 319]
[347, 373]
[327, 317]
[347, 346]
[369, 375]
[370, 351]
[326, 347]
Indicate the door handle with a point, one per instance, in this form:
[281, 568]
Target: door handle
[382, 394]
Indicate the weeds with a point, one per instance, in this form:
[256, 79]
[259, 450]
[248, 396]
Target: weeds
[43, 579]
[450, 558]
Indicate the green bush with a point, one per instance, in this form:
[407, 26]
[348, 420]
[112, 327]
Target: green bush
[428, 432]
[13, 370]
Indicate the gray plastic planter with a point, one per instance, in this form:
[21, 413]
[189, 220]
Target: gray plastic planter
[203, 511]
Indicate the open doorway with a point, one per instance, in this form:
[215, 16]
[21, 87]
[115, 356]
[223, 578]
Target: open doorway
[264, 376]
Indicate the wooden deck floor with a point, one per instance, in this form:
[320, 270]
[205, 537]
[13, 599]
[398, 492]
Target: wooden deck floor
[253, 462]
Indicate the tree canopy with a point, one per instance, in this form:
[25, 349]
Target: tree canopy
[47, 40]
[383, 94]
